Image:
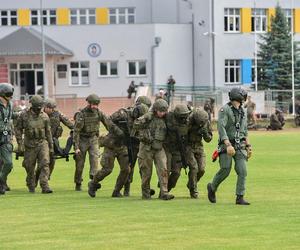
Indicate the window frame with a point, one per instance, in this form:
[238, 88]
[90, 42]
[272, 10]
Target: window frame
[256, 14]
[87, 15]
[9, 17]
[137, 68]
[289, 16]
[47, 17]
[109, 69]
[236, 69]
[79, 70]
[126, 15]
[234, 16]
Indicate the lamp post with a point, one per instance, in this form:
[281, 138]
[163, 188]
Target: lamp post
[45, 80]
[293, 63]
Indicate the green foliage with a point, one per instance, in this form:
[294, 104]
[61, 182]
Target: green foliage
[275, 59]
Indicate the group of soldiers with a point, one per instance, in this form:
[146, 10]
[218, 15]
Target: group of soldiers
[146, 132]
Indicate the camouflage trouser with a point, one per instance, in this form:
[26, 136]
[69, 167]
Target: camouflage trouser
[39, 155]
[107, 163]
[135, 150]
[176, 166]
[146, 156]
[225, 167]
[6, 161]
[200, 158]
[90, 145]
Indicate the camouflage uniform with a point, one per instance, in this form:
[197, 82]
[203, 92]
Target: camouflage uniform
[152, 133]
[86, 136]
[6, 147]
[276, 120]
[250, 106]
[199, 128]
[37, 141]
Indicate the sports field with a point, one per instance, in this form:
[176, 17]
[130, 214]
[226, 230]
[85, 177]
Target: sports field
[72, 220]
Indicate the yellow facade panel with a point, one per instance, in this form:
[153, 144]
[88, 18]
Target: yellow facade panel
[246, 20]
[271, 12]
[63, 16]
[102, 16]
[23, 17]
[297, 20]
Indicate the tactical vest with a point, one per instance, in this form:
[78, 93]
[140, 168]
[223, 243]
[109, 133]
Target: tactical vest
[158, 131]
[35, 127]
[91, 122]
[56, 129]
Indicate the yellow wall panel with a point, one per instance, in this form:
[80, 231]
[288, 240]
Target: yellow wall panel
[246, 20]
[271, 12]
[102, 16]
[23, 17]
[63, 16]
[297, 20]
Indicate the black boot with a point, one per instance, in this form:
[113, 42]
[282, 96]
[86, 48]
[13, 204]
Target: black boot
[211, 194]
[78, 187]
[6, 187]
[47, 190]
[2, 189]
[152, 192]
[240, 200]
[93, 187]
[166, 196]
[126, 190]
[194, 194]
[116, 194]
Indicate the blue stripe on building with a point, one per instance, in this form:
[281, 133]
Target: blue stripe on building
[246, 71]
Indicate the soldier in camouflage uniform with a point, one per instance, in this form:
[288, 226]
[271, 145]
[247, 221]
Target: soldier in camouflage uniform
[199, 128]
[56, 118]
[151, 129]
[86, 136]
[6, 147]
[233, 145]
[35, 125]
[176, 145]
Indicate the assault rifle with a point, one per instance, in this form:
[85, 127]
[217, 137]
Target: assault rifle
[182, 149]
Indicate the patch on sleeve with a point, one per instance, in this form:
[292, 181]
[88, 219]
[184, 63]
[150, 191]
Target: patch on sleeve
[222, 110]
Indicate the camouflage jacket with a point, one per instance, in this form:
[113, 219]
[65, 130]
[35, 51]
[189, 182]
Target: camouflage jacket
[55, 119]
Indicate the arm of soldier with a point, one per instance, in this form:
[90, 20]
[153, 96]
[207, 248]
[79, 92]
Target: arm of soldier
[19, 128]
[109, 125]
[79, 123]
[49, 134]
[66, 121]
[142, 122]
[207, 132]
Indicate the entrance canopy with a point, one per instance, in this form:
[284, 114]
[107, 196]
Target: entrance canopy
[28, 42]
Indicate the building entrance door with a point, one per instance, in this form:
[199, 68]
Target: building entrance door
[27, 82]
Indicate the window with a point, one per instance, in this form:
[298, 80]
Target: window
[108, 68]
[8, 17]
[259, 20]
[232, 20]
[259, 71]
[79, 73]
[61, 71]
[288, 15]
[232, 71]
[49, 17]
[83, 16]
[137, 68]
[121, 15]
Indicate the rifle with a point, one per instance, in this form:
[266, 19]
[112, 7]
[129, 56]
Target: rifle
[129, 143]
[182, 149]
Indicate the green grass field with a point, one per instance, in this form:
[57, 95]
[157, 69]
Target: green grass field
[72, 220]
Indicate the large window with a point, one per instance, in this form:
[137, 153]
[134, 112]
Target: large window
[288, 15]
[83, 16]
[121, 15]
[137, 68]
[108, 68]
[49, 17]
[259, 71]
[79, 73]
[232, 71]
[259, 20]
[232, 19]
[8, 17]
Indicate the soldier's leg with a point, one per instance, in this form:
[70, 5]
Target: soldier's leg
[225, 162]
[193, 171]
[130, 175]
[94, 156]
[43, 165]
[79, 164]
[123, 160]
[107, 164]
[145, 160]
[176, 166]
[29, 162]
[6, 166]
[241, 170]
[51, 166]
[160, 161]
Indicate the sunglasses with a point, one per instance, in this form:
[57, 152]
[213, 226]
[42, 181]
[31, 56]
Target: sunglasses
[9, 94]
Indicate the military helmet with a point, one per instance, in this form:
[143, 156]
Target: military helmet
[139, 110]
[200, 116]
[237, 94]
[36, 101]
[6, 90]
[50, 103]
[181, 110]
[160, 105]
[93, 99]
[143, 99]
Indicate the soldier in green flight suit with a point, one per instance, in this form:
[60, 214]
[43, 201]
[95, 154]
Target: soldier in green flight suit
[6, 147]
[35, 125]
[86, 137]
[233, 145]
[152, 131]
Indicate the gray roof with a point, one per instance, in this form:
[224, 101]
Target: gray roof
[24, 42]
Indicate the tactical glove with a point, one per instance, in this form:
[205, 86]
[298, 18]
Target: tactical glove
[249, 151]
[230, 150]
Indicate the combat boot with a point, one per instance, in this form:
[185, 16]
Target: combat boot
[152, 192]
[31, 189]
[240, 200]
[166, 197]
[6, 187]
[116, 194]
[211, 194]
[126, 190]
[78, 187]
[47, 191]
[93, 187]
[194, 195]
[2, 189]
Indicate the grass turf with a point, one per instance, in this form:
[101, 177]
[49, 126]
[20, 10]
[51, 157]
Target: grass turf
[72, 220]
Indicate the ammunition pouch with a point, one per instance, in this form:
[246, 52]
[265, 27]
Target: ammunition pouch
[157, 145]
